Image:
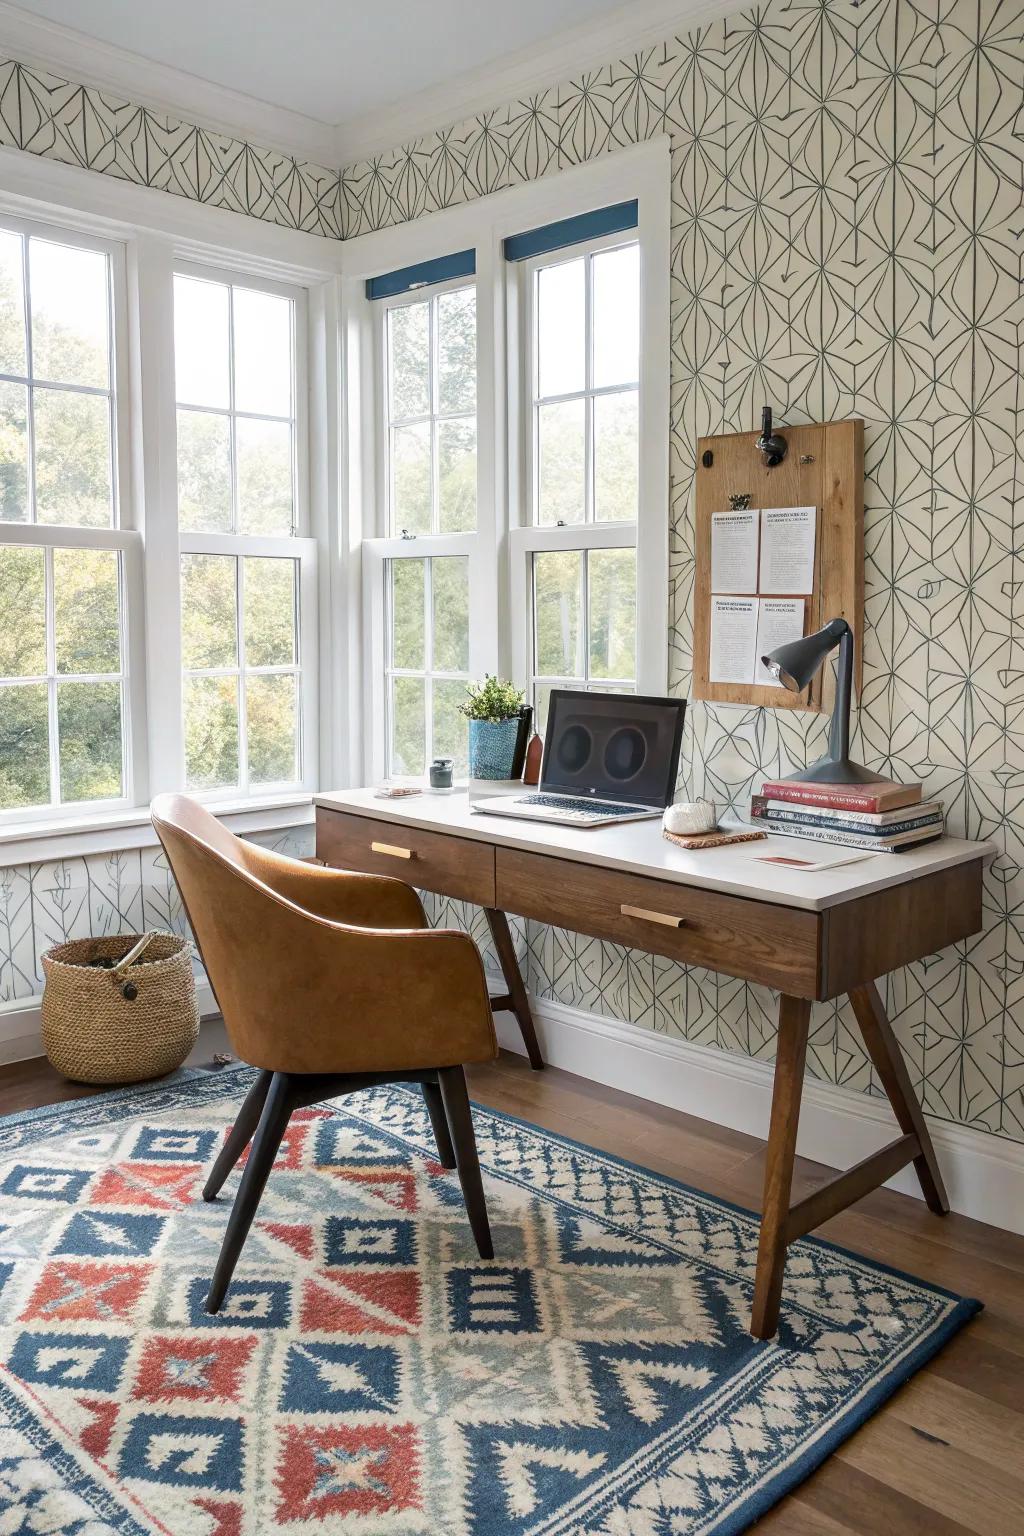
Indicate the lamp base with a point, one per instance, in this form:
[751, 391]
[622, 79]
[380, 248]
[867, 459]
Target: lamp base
[830, 770]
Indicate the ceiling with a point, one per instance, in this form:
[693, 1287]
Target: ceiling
[332, 61]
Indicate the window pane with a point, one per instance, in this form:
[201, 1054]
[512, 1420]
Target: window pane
[269, 612]
[561, 328]
[271, 728]
[410, 478]
[263, 352]
[456, 469]
[72, 458]
[408, 725]
[24, 746]
[557, 588]
[211, 732]
[616, 455]
[13, 454]
[617, 316]
[208, 619]
[611, 580]
[201, 343]
[456, 351]
[23, 610]
[204, 472]
[86, 610]
[450, 592]
[409, 360]
[70, 324]
[264, 476]
[12, 305]
[408, 614]
[450, 727]
[89, 729]
[561, 446]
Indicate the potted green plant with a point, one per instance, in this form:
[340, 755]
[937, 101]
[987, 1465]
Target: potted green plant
[492, 708]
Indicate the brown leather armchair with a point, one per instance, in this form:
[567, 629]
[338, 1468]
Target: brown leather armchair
[328, 982]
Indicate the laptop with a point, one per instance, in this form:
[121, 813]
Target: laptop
[608, 757]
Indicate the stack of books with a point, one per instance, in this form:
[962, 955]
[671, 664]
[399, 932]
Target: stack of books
[882, 817]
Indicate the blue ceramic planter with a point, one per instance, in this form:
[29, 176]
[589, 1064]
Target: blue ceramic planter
[492, 745]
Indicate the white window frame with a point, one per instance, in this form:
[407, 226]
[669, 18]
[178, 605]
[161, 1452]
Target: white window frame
[152, 235]
[121, 536]
[648, 534]
[296, 546]
[499, 629]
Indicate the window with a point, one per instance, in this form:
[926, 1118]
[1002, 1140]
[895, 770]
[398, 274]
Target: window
[428, 665]
[580, 363]
[245, 577]
[431, 410]
[65, 733]
[424, 574]
[550, 371]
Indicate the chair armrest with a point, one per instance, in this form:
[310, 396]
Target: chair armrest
[339, 895]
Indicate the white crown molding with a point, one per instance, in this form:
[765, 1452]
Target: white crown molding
[553, 59]
[984, 1174]
[49, 45]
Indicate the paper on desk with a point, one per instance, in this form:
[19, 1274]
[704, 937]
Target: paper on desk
[779, 620]
[792, 862]
[787, 549]
[733, 635]
[734, 537]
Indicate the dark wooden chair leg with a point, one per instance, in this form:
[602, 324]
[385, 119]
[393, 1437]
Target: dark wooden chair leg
[887, 1059]
[277, 1111]
[452, 1081]
[240, 1135]
[518, 998]
[794, 1018]
[442, 1135]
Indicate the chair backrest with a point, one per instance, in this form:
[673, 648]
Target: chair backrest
[239, 923]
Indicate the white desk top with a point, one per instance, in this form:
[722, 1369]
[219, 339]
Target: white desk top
[639, 847]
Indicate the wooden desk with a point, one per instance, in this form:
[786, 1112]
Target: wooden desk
[812, 936]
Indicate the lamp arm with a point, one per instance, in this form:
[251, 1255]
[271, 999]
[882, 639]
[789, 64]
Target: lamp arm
[839, 732]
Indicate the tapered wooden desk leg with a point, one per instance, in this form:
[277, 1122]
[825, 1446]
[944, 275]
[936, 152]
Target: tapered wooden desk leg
[517, 994]
[887, 1059]
[794, 1017]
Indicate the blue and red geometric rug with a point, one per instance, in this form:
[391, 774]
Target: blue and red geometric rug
[368, 1374]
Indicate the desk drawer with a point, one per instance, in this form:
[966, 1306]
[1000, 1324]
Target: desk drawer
[431, 861]
[758, 941]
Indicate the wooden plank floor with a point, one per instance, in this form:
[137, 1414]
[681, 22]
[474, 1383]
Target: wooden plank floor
[946, 1456]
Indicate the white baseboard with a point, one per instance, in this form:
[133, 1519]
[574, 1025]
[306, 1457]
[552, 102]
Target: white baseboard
[984, 1174]
[21, 1031]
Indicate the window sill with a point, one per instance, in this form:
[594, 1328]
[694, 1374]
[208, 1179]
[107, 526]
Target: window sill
[36, 841]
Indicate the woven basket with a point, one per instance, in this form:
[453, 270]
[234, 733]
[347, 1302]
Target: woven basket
[136, 1020]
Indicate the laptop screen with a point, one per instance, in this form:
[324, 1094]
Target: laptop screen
[613, 746]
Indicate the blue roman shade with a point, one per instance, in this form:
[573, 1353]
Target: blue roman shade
[583, 226]
[441, 270]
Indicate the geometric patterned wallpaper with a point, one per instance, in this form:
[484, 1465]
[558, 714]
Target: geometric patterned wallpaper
[80, 125]
[847, 238]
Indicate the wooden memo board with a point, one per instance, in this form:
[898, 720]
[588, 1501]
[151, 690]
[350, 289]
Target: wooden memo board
[824, 468]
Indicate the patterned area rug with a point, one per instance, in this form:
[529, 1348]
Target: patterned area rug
[369, 1373]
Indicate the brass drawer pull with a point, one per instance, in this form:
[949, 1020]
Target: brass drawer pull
[392, 850]
[665, 918]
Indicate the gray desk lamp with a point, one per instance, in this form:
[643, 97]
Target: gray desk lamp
[794, 665]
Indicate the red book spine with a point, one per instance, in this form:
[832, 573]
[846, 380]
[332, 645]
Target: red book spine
[824, 795]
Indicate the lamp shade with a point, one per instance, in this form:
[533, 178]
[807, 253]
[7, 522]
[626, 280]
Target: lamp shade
[795, 664]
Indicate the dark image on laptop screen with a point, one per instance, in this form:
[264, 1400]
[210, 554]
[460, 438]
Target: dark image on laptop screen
[613, 746]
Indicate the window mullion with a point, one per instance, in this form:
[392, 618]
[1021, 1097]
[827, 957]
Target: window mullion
[30, 404]
[242, 710]
[232, 418]
[53, 728]
[589, 492]
[434, 372]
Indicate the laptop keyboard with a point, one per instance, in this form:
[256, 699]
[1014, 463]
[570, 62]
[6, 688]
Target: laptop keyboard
[578, 810]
